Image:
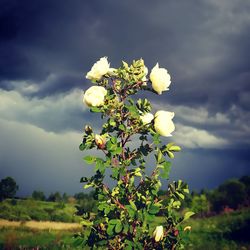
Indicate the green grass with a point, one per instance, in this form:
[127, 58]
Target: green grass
[23, 238]
[24, 210]
[222, 232]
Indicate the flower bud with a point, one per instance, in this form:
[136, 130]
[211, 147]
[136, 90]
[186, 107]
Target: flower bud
[158, 233]
[88, 129]
[100, 141]
[187, 228]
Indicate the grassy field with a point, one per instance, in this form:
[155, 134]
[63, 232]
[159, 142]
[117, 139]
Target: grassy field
[222, 232]
[25, 210]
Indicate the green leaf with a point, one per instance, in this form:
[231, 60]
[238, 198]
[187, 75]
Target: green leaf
[82, 146]
[113, 221]
[154, 208]
[122, 127]
[118, 150]
[174, 148]
[84, 179]
[88, 186]
[100, 165]
[131, 211]
[187, 215]
[112, 123]
[170, 154]
[89, 159]
[95, 110]
[118, 227]
[86, 222]
[156, 139]
[165, 166]
[133, 205]
[110, 229]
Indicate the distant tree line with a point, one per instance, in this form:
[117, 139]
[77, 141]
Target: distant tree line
[230, 195]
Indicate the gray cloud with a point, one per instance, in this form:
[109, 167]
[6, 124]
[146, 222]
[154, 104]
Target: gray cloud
[47, 47]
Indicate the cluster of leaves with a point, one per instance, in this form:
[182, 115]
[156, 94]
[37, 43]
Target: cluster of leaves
[126, 211]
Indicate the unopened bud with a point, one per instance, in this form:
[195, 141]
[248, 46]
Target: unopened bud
[187, 228]
[100, 141]
[88, 129]
[176, 232]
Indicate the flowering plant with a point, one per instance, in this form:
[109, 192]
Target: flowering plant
[128, 209]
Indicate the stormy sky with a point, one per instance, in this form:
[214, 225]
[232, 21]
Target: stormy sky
[48, 46]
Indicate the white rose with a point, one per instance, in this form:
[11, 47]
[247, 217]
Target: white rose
[94, 96]
[147, 118]
[158, 233]
[163, 122]
[99, 69]
[160, 79]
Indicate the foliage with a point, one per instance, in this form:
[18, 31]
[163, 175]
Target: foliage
[232, 193]
[55, 197]
[226, 231]
[8, 188]
[38, 195]
[126, 210]
[200, 205]
[24, 238]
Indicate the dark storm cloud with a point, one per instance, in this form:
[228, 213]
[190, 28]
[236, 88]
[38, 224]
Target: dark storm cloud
[203, 44]
[47, 46]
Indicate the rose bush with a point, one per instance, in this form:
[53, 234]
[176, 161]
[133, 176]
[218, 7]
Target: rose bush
[128, 208]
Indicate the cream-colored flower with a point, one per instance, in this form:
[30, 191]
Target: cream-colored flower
[147, 118]
[163, 123]
[160, 79]
[158, 233]
[94, 96]
[99, 69]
